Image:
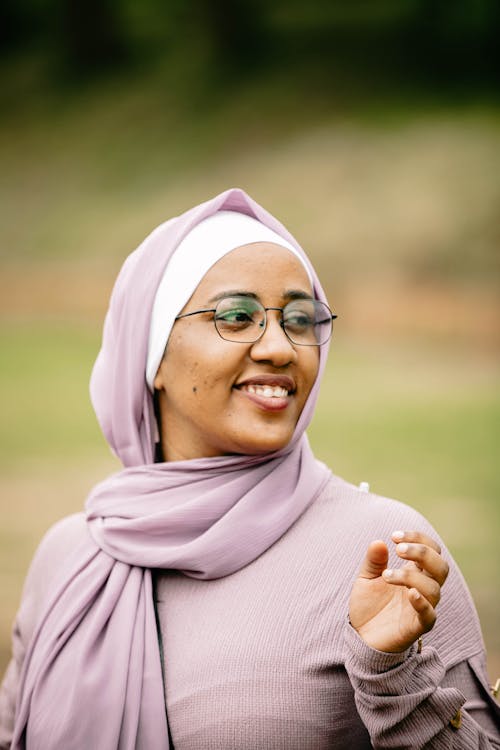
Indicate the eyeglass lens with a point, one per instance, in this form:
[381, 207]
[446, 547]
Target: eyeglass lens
[305, 322]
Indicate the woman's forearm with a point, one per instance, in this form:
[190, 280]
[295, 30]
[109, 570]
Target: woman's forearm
[405, 702]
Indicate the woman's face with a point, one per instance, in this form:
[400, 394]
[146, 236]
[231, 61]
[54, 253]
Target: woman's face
[214, 395]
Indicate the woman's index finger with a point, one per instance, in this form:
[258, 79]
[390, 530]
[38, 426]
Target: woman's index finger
[417, 537]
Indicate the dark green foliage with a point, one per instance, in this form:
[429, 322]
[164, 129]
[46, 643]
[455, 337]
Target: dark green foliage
[433, 42]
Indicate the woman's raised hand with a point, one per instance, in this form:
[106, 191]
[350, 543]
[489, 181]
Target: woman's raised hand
[392, 608]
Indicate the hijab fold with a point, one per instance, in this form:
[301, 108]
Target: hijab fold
[92, 675]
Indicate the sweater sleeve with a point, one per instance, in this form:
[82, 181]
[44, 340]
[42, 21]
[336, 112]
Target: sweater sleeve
[410, 700]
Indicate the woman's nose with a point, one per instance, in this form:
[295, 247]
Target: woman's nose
[274, 345]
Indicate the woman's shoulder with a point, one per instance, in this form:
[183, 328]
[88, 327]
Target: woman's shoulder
[338, 526]
[59, 541]
[356, 507]
[55, 548]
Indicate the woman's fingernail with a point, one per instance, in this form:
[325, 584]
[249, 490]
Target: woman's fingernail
[388, 573]
[398, 534]
[403, 548]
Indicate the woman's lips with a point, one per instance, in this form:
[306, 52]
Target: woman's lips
[270, 393]
[268, 379]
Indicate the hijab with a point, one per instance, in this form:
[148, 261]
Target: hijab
[92, 675]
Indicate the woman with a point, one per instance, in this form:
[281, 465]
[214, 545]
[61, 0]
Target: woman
[225, 574]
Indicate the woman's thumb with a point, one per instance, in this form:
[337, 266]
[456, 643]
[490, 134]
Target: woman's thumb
[375, 560]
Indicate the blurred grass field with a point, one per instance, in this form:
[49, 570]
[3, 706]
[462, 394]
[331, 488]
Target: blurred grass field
[400, 215]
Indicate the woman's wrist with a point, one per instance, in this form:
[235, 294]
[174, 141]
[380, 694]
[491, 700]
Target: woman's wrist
[373, 659]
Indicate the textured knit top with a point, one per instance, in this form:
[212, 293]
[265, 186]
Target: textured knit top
[266, 658]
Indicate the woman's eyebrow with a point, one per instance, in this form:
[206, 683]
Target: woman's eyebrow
[287, 294]
[296, 294]
[233, 293]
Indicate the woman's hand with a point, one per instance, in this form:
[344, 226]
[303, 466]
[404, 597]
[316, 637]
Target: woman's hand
[392, 608]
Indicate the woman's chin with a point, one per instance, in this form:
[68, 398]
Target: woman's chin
[254, 446]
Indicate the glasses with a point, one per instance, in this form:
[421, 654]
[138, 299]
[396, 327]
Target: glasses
[306, 322]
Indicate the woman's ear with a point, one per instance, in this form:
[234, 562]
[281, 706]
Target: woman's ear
[158, 381]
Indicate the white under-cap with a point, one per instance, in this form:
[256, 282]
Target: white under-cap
[205, 244]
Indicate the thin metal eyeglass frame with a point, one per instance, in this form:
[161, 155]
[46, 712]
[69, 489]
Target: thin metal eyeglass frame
[282, 324]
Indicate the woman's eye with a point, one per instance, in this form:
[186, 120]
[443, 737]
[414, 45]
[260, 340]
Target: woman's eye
[298, 320]
[234, 317]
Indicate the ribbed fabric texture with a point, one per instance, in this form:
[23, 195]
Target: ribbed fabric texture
[265, 657]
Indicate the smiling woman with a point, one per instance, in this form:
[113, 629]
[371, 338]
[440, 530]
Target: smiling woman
[243, 397]
[225, 589]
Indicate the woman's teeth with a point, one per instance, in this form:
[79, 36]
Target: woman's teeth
[268, 391]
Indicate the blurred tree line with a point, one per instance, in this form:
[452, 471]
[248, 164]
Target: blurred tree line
[423, 41]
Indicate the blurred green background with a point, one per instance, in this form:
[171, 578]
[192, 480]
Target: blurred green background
[371, 129]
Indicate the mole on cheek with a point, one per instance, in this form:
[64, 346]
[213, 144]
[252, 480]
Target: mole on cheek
[194, 389]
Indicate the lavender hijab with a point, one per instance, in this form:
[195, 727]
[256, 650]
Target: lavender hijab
[92, 676]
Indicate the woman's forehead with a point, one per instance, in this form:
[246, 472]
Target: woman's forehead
[261, 265]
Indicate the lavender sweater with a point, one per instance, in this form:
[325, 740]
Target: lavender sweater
[265, 658]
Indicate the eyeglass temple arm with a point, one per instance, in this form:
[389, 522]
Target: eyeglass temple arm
[332, 317]
[196, 312]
